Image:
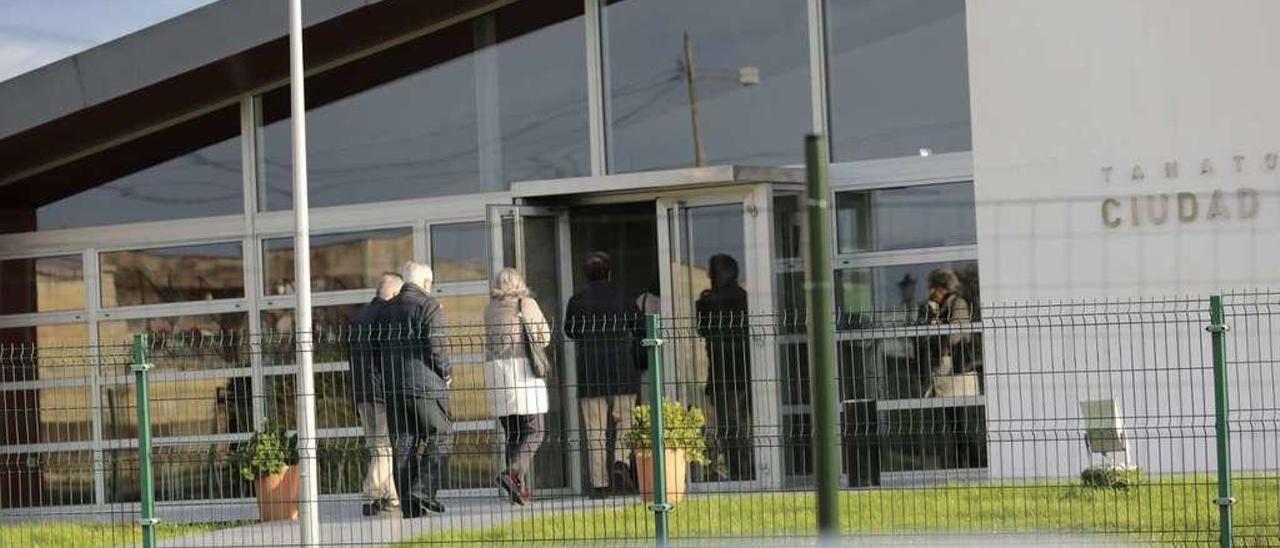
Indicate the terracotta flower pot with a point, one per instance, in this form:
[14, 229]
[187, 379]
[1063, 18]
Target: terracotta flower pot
[676, 474]
[278, 495]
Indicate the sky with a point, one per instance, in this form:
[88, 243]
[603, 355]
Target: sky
[34, 33]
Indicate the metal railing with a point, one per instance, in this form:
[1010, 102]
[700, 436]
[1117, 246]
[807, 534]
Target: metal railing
[1042, 421]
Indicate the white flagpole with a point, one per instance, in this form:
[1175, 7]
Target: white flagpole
[308, 488]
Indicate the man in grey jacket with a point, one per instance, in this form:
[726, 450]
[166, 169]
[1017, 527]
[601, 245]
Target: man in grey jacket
[417, 376]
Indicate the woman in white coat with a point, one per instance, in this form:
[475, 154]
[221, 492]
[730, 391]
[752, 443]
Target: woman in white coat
[519, 398]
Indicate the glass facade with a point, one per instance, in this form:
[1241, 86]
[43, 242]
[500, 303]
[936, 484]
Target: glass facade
[467, 109]
[172, 274]
[905, 218]
[352, 260]
[496, 99]
[737, 71]
[43, 284]
[458, 252]
[200, 181]
[898, 76]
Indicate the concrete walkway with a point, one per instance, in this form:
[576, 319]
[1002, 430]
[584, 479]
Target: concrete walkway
[341, 523]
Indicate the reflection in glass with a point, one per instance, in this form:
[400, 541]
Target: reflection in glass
[197, 342]
[41, 284]
[204, 181]
[181, 408]
[748, 97]
[330, 328]
[351, 260]
[905, 218]
[172, 274]
[47, 351]
[45, 415]
[189, 471]
[468, 108]
[898, 77]
[47, 479]
[464, 312]
[335, 407]
[907, 367]
[937, 438]
[458, 252]
[468, 395]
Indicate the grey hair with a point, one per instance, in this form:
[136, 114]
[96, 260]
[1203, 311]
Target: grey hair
[509, 284]
[389, 285]
[418, 274]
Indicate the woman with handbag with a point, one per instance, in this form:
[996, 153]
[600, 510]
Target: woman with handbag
[516, 366]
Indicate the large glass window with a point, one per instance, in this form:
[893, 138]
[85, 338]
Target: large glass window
[45, 415]
[905, 218]
[197, 342]
[352, 260]
[43, 352]
[898, 288]
[181, 408]
[189, 471]
[329, 325]
[898, 76]
[458, 252]
[465, 109]
[172, 274]
[191, 170]
[723, 81]
[42, 284]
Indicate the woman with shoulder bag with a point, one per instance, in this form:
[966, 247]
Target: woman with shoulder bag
[516, 366]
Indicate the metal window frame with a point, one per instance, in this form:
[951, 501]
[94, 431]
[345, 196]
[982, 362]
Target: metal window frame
[253, 226]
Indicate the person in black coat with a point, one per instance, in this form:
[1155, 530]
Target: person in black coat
[603, 321]
[723, 325]
[379, 491]
[417, 376]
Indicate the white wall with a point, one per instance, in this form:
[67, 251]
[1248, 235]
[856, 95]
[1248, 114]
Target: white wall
[1062, 89]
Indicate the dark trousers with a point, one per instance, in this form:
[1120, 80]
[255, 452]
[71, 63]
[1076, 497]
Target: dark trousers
[731, 447]
[422, 435]
[524, 434]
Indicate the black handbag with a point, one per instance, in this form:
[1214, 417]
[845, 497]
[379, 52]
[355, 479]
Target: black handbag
[539, 361]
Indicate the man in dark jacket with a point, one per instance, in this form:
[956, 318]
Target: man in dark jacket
[379, 492]
[604, 322]
[417, 378]
[722, 323]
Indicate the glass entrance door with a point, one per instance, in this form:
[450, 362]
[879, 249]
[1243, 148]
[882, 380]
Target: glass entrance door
[717, 286]
[534, 241]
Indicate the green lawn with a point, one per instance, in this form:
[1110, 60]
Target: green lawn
[1172, 510]
[92, 535]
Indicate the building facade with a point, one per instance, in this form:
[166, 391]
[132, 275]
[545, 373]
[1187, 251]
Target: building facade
[146, 185]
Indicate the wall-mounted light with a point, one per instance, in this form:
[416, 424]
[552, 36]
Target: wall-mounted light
[926, 151]
[749, 76]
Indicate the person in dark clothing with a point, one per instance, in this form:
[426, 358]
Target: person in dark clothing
[723, 325]
[417, 376]
[603, 321]
[379, 492]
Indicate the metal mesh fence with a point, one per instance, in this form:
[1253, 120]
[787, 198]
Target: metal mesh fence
[1089, 421]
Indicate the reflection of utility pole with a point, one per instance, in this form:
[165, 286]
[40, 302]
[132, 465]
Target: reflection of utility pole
[699, 153]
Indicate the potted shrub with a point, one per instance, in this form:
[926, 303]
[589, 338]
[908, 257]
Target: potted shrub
[684, 444]
[270, 459]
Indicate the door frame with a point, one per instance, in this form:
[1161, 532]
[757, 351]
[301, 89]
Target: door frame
[757, 225]
[494, 217]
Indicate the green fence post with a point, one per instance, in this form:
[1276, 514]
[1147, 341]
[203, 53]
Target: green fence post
[140, 367]
[653, 343]
[826, 417]
[1222, 428]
